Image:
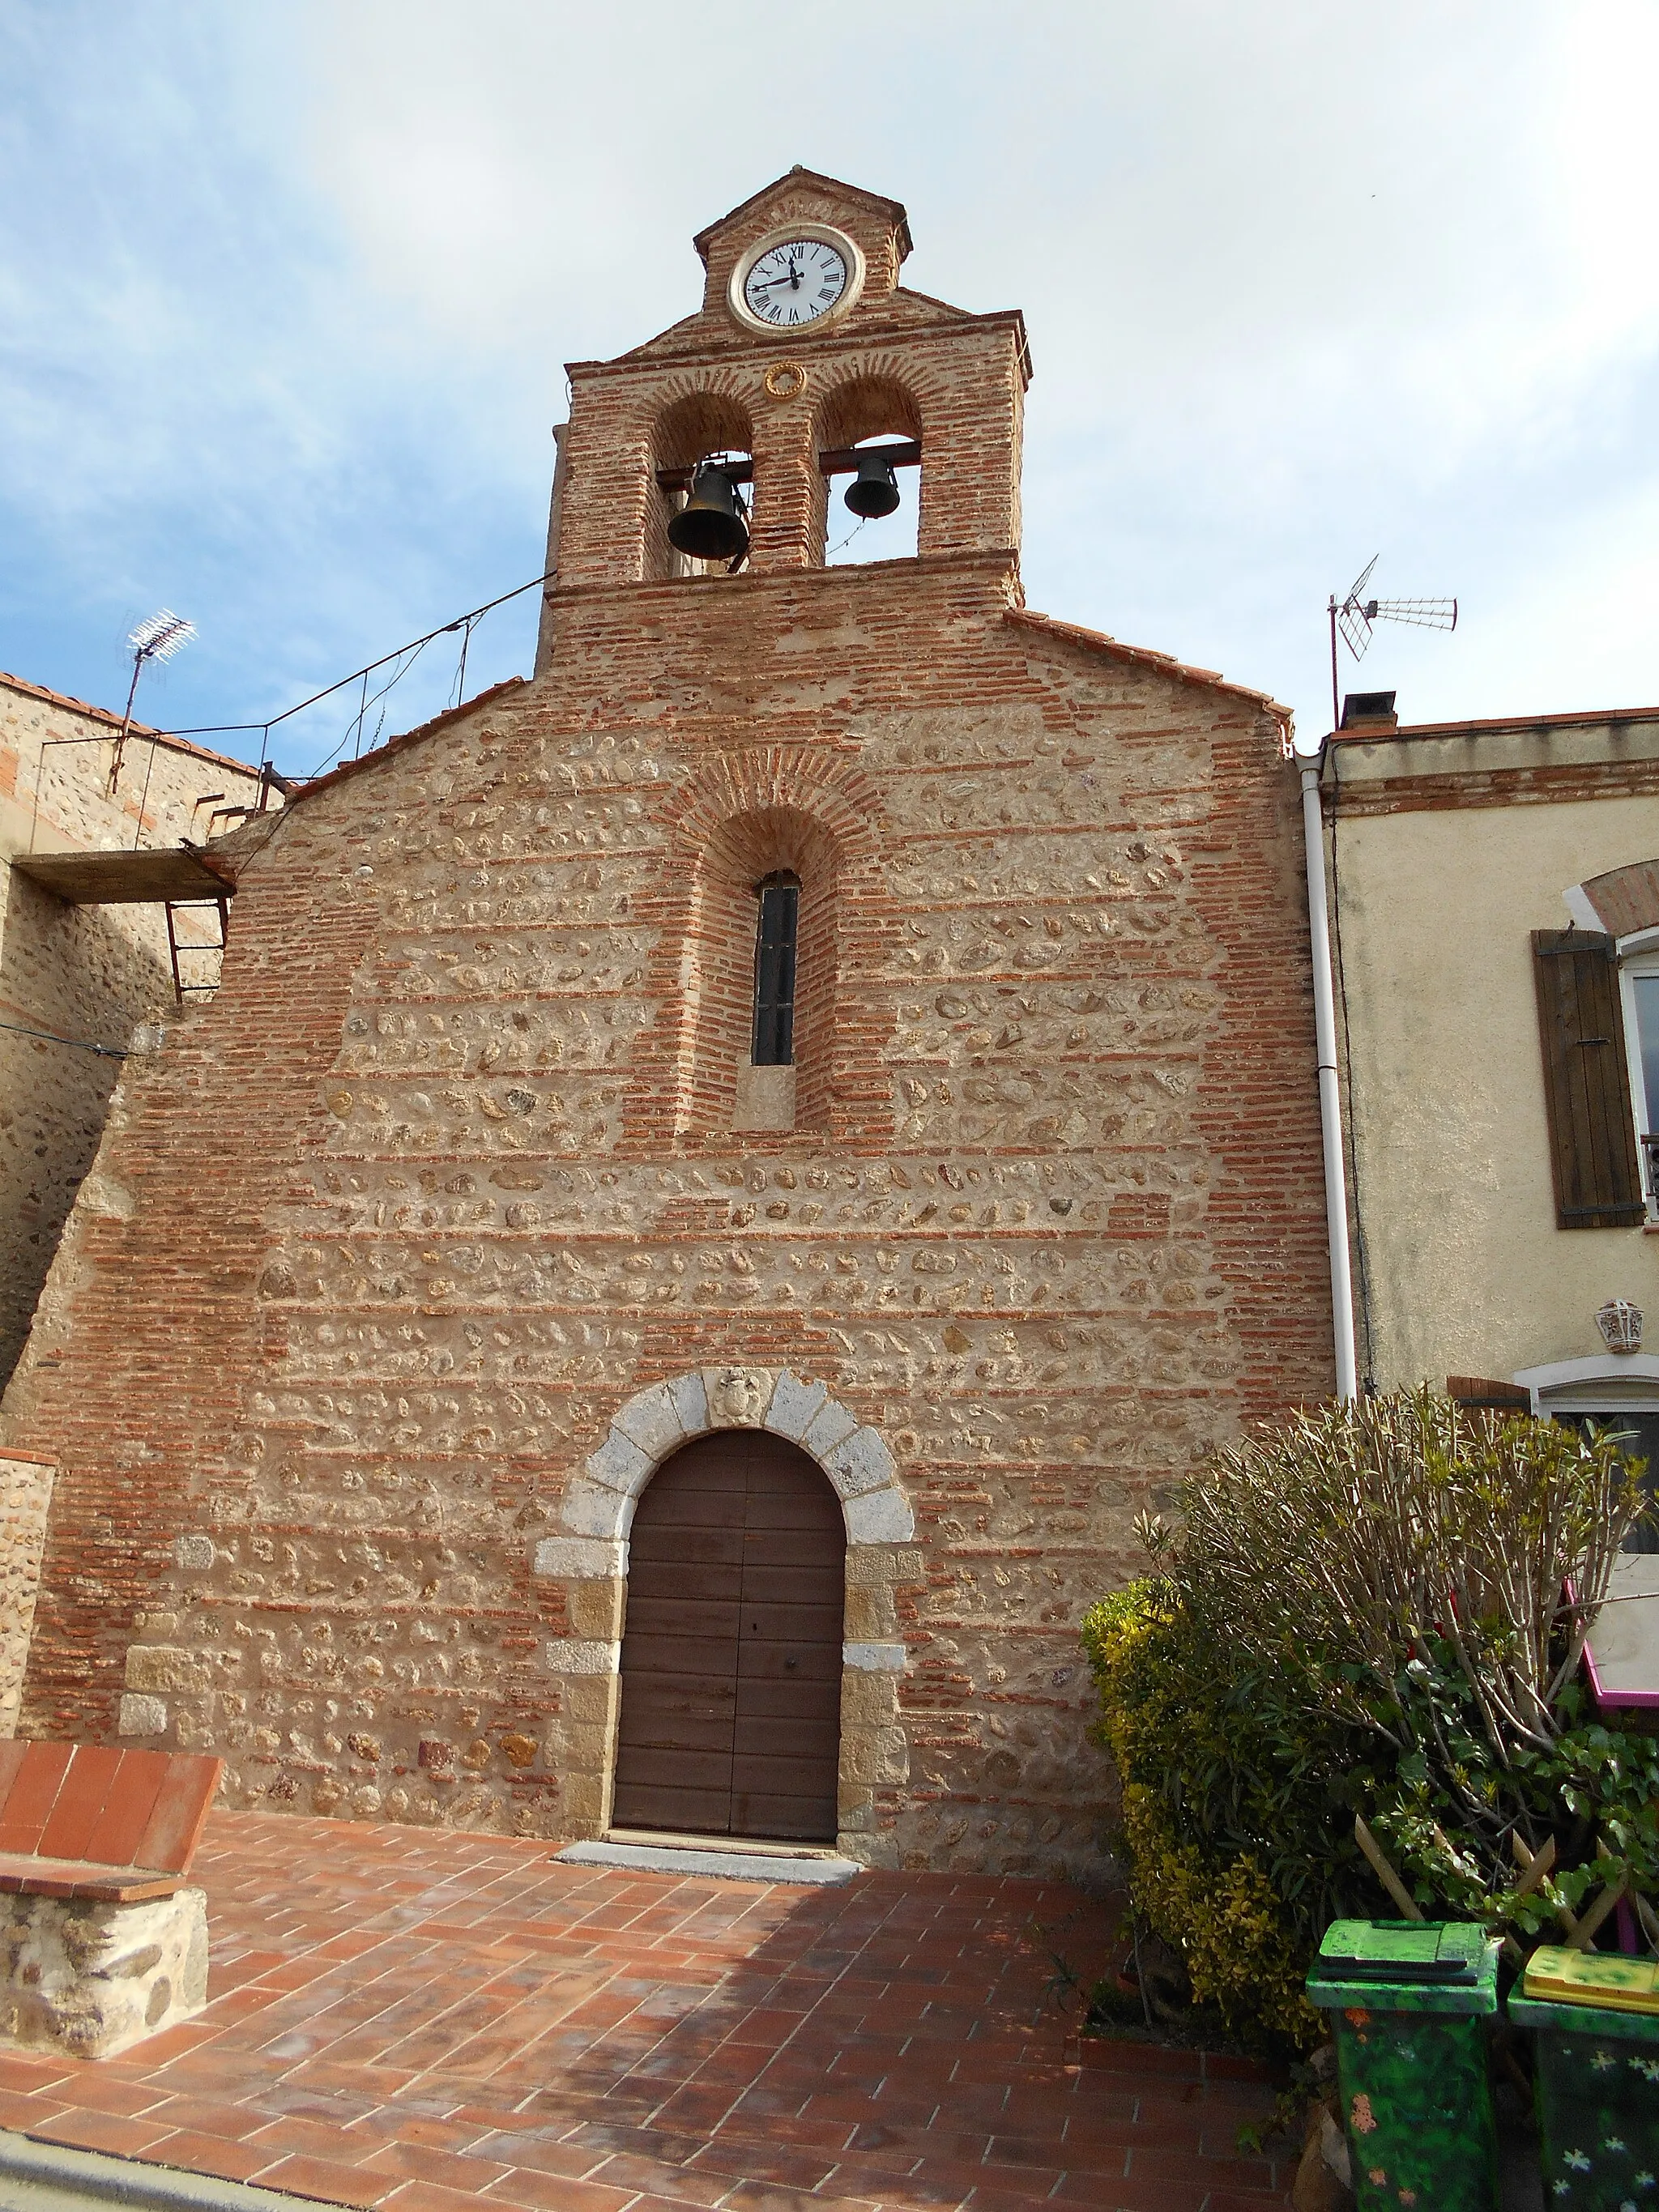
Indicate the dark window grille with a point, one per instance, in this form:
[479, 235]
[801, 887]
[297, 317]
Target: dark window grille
[1637, 1435]
[774, 971]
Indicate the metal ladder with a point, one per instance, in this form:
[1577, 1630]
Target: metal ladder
[174, 906]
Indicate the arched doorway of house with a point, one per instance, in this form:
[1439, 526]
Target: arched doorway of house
[731, 1657]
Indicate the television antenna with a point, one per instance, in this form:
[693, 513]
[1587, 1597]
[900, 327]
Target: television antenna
[1355, 613]
[158, 639]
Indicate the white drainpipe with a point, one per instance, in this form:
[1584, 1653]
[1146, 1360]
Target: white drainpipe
[1330, 1104]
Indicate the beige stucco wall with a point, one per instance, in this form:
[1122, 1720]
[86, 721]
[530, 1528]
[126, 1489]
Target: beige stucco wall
[1467, 1272]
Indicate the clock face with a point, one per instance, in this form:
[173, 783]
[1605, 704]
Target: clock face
[795, 282]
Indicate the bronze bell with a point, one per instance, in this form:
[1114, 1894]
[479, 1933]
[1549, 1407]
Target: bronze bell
[711, 526]
[874, 490]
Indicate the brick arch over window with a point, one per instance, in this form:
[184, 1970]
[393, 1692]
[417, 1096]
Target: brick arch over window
[752, 816]
[863, 406]
[589, 1558]
[1621, 901]
[706, 419]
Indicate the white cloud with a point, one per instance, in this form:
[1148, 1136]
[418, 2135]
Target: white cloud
[285, 337]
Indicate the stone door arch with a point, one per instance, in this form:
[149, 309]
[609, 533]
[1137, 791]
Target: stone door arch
[590, 1559]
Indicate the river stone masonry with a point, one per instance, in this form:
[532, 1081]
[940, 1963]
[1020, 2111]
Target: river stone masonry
[89, 1980]
[440, 1229]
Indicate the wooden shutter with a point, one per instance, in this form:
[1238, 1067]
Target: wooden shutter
[1598, 1179]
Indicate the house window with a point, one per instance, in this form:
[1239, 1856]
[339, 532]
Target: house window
[774, 971]
[1590, 1066]
[1639, 979]
[1636, 1431]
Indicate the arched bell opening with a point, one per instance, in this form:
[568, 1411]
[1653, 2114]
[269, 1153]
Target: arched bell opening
[732, 1652]
[868, 445]
[702, 475]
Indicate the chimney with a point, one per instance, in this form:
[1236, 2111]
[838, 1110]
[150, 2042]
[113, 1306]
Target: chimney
[1369, 711]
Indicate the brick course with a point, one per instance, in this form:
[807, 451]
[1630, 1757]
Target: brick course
[85, 972]
[447, 1173]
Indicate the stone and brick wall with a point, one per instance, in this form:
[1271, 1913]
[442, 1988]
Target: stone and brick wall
[88, 974]
[25, 1495]
[349, 1425]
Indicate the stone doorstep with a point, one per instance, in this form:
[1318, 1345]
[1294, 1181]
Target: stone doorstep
[41, 2177]
[659, 1839]
[723, 1864]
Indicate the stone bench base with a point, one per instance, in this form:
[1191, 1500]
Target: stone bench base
[88, 1980]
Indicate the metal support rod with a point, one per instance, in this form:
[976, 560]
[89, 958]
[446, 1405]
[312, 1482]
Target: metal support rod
[126, 723]
[837, 461]
[1336, 711]
[1330, 1102]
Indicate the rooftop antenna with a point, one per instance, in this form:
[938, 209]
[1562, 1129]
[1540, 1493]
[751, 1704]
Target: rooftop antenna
[1355, 614]
[158, 639]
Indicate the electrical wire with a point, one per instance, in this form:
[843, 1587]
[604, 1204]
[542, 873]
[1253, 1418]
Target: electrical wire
[377, 698]
[847, 540]
[459, 686]
[80, 1044]
[211, 729]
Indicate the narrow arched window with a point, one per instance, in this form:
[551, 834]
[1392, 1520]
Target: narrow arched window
[774, 971]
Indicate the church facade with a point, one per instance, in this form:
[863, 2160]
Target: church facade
[719, 1179]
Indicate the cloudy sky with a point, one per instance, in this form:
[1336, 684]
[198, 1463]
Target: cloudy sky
[286, 292]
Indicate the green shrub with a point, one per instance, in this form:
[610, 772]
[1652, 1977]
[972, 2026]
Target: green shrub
[1238, 1853]
[1367, 1609]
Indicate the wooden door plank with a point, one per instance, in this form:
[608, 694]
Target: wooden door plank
[711, 1686]
[785, 1753]
[659, 1578]
[817, 1626]
[679, 1653]
[697, 1623]
[808, 1819]
[681, 1812]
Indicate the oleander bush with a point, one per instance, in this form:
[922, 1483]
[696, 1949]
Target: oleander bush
[1377, 1609]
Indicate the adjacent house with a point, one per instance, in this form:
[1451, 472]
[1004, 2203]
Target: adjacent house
[1494, 909]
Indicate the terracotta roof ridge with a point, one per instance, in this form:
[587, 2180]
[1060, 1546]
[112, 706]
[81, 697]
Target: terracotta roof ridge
[81, 706]
[133, 729]
[1569, 718]
[1099, 642]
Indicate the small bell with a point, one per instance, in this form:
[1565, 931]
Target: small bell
[874, 490]
[710, 526]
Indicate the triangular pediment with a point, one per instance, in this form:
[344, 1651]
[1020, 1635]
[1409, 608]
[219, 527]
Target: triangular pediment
[706, 329]
[809, 194]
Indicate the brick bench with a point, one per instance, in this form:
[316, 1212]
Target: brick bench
[103, 1942]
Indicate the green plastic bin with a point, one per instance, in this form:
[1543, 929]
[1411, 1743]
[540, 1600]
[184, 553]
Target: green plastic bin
[1409, 2000]
[1597, 2086]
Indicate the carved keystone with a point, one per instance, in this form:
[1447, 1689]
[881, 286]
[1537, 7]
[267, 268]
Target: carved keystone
[737, 1396]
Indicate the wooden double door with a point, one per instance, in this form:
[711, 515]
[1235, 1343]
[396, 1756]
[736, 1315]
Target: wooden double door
[730, 1659]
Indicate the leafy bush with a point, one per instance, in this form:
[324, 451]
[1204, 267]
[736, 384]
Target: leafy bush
[1238, 1854]
[1377, 1607]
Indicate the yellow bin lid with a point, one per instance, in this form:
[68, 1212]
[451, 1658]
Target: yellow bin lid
[1558, 1976]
